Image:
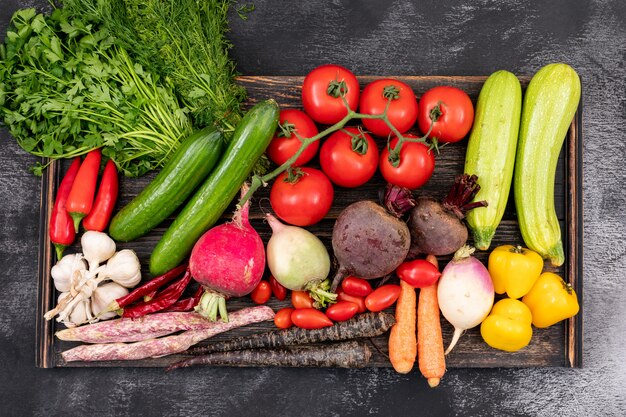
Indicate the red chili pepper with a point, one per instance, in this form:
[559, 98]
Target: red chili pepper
[100, 214]
[147, 288]
[278, 290]
[187, 304]
[165, 299]
[61, 227]
[80, 200]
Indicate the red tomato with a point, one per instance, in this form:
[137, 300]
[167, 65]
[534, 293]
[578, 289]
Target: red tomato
[402, 111]
[286, 143]
[304, 202]
[321, 93]
[418, 273]
[382, 297]
[342, 311]
[359, 301]
[356, 286]
[278, 290]
[349, 161]
[310, 318]
[457, 113]
[415, 168]
[282, 319]
[301, 299]
[262, 293]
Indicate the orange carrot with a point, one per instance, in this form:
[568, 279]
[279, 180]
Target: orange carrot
[402, 339]
[431, 360]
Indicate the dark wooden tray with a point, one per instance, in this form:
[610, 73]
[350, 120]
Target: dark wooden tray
[559, 345]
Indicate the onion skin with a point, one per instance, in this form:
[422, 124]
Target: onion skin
[465, 293]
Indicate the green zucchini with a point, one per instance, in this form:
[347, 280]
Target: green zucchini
[550, 103]
[190, 164]
[491, 152]
[250, 139]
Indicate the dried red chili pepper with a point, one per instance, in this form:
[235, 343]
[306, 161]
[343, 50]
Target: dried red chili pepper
[80, 200]
[162, 301]
[100, 214]
[278, 290]
[187, 304]
[61, 228]
[148, 288]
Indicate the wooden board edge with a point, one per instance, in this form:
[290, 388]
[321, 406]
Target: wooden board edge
[574, 338]
[45, 291]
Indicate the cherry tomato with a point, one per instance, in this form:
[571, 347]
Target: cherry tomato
[356, 286]
[278, 290]
[359, 301]
[382, 297]
[418, 273]
[342, 311]
[321, 93]
[282, 319]
[305, 201]
[402, 111]
[301, 299]
[286, 143]
[457, 113]
[310, 318]
[262, 293]
[415, 167]
[349, 161]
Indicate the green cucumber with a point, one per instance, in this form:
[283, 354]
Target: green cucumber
[550, 103]
[250, 139]
[491, 152]
[192, 161]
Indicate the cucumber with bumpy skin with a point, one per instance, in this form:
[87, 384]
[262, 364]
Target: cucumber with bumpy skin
[550, 103]
[250, 139]
[491, 152]
[182, 174]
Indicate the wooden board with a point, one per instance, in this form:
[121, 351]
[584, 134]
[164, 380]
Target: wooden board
[559, 345]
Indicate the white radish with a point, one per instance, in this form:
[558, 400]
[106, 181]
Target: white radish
[465, 293]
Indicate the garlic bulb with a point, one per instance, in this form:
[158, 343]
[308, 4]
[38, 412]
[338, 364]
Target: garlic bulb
[102, 296]
[123, 268]
[63, 271]
[97, 248]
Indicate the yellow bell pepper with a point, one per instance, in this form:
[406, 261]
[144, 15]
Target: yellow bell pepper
[508, 325]
[514, 270]
[551, 300]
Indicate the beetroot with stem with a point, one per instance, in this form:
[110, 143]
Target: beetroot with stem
[437, 228]
[368, 242]
[228, 261]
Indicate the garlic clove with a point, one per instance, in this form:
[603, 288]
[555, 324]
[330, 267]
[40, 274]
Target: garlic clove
[97, 247]
[123, 268]
[78, 315]
[103, 295]
[63, 271]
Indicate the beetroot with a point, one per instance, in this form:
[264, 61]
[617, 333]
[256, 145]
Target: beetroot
[368, 242]
[228, 261]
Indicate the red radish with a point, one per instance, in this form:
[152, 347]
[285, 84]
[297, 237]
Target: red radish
[228, 261]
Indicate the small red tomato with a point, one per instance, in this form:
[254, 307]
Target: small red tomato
[342, 311]
[293, 123]
[322, 90]
[418, 273]
[278, 290]
[359, 301]
[301, 299]
[349, 157]
[356, 286]
[382, 297]
[393, 95]
[306, 200]
[262, 293]
[456, 113]
[416, 165]
[282, 319]
[310, 318]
